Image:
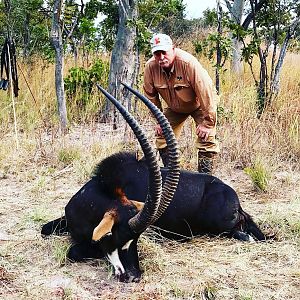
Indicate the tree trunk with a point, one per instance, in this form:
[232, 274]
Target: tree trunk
[275, 85]
[219, 53]
[263, 79]
[124, 65]
[236, 62]
[56, 39]
[26, 37]
[236, 12]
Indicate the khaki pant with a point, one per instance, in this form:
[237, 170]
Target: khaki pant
[177, 121]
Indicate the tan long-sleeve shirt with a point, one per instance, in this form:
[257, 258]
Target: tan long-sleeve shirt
[187, 88]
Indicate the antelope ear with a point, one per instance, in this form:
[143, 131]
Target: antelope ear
[105, 226]
[139, 205]
[139, 156]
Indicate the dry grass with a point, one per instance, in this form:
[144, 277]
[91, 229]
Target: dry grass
[39, 178]
[34, 268]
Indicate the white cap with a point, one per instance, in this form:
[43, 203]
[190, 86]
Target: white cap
[160, 42]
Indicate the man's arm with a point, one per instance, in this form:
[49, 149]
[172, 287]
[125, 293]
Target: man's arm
[207, 97]
[149, 89]
[205, 92]
[152, 94]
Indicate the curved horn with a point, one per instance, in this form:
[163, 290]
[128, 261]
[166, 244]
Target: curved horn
[145, 216]
[172, 178]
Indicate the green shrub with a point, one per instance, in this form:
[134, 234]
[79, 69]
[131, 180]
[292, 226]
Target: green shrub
[79, 83]
[259, 175]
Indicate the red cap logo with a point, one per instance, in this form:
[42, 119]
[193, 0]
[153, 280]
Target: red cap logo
[156, 41]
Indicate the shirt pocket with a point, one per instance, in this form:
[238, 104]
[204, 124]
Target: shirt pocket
[184, 92]
[163, 90]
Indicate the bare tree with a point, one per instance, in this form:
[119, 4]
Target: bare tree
[56, 40]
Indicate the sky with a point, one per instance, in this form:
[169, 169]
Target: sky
[194, 8]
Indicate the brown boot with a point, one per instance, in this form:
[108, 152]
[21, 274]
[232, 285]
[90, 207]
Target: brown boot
[206, 162]
[164, 156]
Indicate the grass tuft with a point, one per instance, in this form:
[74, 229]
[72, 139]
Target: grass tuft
[69, 155]
[60, 249]
[260, 175]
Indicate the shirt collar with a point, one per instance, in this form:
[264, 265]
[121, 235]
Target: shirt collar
[171, 71]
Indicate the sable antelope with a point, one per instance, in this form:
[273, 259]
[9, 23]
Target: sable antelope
[107, 215]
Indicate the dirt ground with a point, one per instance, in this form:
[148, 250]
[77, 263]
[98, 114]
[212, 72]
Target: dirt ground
[206, 268]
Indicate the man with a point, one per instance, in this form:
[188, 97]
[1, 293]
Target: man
[179, 79]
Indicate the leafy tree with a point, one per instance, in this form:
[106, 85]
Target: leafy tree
[164, 16]
[79, 26]
[28, 26]
[217, 45]
[109, 25]
[266, 32]
[273, 27]
[161, 15]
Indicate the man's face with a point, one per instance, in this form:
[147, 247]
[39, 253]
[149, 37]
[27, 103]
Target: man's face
[165, 58]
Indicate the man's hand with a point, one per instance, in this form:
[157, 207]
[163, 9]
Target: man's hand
[203, 132]
[158, 130]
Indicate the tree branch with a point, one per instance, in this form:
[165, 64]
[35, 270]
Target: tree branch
[156, 13]
[250, 17]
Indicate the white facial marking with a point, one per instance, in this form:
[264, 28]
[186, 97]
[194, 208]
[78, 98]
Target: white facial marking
[251, 239]
[115, 261]
[127, 245]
